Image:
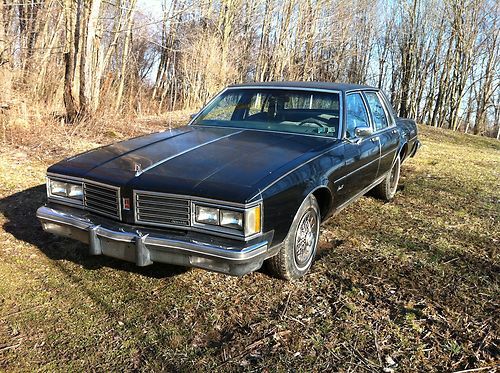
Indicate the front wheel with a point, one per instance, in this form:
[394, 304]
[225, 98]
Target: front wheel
[297, 254]
[386, 190]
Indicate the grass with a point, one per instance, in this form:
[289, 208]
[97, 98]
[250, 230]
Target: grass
[410, 285]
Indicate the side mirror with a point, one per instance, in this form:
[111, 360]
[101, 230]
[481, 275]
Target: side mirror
[363, 132]
[191, 116]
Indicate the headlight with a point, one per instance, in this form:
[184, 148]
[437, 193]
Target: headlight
[75, 191]
[58, 188]
[231, 219]
[207, 215]
[65, 189]
[243, 222]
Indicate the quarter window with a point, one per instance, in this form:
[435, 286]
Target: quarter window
[356, 114]
[377, 110]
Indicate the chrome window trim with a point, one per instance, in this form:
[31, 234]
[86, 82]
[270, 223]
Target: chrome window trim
[391, 123]
[368, 114]
[341, 108]
[388, 108]
[199, 227]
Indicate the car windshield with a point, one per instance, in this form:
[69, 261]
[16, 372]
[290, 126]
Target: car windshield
[282, 110]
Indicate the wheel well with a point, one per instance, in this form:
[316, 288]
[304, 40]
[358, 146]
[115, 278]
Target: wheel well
[324, 198]
[403, 152]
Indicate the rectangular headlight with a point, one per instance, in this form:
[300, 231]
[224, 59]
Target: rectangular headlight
[58, 188]
[207, 215]
[75, 191]
[231, 219]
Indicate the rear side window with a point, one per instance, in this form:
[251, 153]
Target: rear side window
[378, 114]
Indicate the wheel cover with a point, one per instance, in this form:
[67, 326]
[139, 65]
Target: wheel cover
[306, 238]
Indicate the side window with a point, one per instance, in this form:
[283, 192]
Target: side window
[377, 110]
[356, 114]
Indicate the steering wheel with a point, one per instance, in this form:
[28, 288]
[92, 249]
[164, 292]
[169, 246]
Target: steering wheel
[315, 121]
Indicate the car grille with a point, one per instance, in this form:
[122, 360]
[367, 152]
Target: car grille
[102, 199]
[163, 210]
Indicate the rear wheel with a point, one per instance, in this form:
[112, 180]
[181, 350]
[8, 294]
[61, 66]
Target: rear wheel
[386, 190]
[297, 254]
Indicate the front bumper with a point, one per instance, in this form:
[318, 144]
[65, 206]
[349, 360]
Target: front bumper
[143, 247]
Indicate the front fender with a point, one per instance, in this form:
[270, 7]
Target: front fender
[283, 199]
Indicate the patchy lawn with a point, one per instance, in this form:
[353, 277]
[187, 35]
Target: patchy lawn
[410, 285]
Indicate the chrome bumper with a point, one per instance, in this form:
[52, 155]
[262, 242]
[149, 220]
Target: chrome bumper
[143, 248]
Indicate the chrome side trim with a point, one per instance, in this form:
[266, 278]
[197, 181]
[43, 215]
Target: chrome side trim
[140, 172]
[288, 173]
[358, 195]
[389, 153]
[356, 170]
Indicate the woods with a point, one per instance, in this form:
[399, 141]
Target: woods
[438, 61]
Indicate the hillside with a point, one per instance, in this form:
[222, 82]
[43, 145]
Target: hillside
[414, 282]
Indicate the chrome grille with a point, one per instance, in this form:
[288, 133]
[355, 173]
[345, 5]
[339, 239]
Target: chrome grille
[102, 199]
[165, 210]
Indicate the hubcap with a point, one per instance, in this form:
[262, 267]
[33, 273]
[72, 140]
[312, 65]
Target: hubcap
[305, 239]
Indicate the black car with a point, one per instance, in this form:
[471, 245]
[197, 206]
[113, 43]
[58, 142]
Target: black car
[249, 180]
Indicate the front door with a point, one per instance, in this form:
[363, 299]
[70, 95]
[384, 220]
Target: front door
[361, 155]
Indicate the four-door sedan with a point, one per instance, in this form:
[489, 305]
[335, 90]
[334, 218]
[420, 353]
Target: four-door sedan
[250, 179]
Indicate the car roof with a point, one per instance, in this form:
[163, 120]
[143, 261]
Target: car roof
[343, 87]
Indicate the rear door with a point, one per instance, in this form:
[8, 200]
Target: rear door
[384, 130]
[361, 155]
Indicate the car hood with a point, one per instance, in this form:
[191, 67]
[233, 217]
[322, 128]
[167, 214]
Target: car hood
[212, 162]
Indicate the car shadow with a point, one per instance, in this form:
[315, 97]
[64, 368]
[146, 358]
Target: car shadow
[20, 211]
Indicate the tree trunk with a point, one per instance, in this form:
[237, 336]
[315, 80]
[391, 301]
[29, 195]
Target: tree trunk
[71, 26]
[126, 47]
[87, 101]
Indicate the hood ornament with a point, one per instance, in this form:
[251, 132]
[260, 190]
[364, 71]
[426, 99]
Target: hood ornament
[137, 169]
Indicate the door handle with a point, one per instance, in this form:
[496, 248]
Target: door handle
[374, 139]
[394, 131]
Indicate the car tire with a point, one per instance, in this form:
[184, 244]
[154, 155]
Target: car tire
[386, 190]
[299, 248]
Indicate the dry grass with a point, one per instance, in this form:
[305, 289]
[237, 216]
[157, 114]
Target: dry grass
[414, 282]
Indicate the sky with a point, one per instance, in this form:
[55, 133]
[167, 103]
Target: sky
[150, 7]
